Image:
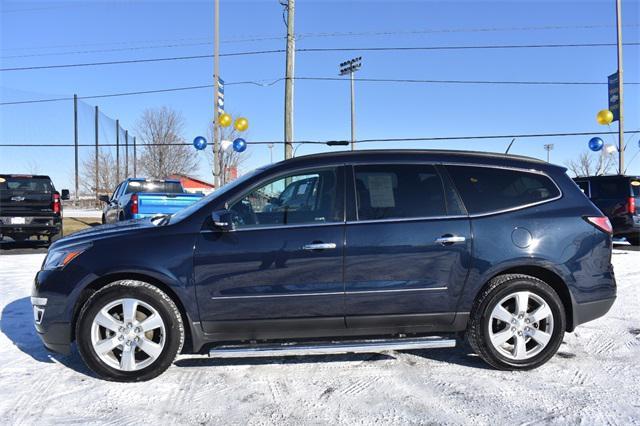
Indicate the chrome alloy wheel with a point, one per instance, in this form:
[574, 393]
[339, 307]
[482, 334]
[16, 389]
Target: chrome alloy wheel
[128, 334]
[520, 325]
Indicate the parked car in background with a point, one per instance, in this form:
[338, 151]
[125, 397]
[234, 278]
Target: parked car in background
[136, 198]
[30, 207]
[391, 250]
[618, 196]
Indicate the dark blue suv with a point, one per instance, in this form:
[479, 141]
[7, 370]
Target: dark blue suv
[342, 252]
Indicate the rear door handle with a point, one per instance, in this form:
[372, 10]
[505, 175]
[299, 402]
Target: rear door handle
[319, 246]
[449, 239]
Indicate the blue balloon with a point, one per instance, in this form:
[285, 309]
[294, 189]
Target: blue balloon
[239, 145]
[200, 143]
[596, 144]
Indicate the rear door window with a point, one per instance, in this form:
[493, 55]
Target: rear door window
[396, 191]
[489, 189]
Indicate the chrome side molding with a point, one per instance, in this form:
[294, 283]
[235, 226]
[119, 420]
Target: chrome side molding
[331, 347]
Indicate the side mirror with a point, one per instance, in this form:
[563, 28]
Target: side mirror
[223, 220]
[64, 194]
[104, 198]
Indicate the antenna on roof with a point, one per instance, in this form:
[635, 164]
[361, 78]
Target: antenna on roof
[509, 147]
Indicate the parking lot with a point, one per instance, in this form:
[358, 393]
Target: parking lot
[592, 380]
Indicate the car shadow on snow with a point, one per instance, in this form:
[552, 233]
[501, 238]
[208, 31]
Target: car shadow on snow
[16, 322]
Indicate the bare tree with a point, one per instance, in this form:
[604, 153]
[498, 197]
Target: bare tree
[33, 167]
[107, 174]
[589, 164]
[160, 129]
[230, 159]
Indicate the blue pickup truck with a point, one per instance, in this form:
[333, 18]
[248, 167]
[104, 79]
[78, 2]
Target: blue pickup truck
[136, 198]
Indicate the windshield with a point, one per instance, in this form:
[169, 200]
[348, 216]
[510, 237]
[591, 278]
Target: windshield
[151, 186]
[187, 211]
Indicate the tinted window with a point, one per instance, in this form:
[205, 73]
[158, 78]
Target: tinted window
[159, 187]
[23, 184]
[398, 191]
[306, 198]
[609, 188]
[486, 189]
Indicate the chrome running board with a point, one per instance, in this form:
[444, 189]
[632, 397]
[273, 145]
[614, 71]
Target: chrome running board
[332, 347]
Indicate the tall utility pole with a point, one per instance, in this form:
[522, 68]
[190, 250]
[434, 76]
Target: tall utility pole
[548, 147]
[134, 157]
[289, 75]
[216, 77]
[75, 139]
[350, 67]
[621, 115]
[118, 151]
[97, 160]
[126, 154]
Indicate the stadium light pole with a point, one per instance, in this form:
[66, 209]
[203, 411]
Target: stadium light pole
[350, 67]
[548, 147]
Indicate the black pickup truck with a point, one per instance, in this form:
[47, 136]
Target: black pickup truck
[30, 206]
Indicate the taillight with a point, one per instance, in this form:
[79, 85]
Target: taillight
[631, 205]
[134, 204]
[55, 203]
[600, 222]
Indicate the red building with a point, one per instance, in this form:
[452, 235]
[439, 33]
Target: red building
[193, 185]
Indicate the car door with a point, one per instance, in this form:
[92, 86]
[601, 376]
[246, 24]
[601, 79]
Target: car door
[279, 273]
[111, 209]
[408, 247]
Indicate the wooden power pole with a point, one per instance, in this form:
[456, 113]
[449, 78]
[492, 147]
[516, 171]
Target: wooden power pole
[288, 88]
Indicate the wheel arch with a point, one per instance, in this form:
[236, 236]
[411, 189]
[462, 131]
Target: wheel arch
[552, 278]
[97, 284]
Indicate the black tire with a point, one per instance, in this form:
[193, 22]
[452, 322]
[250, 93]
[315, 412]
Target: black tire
[479, 322]
[144, 292]
[634, 240]
[53, 238]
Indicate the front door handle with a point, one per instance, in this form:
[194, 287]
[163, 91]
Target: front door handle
[449, 239]
[319, 246]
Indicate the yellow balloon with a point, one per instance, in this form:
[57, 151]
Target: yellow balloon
[604, 117]
[224, 120]
[241, 124]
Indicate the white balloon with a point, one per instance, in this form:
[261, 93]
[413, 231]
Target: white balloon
[610, 149]
[225, 145]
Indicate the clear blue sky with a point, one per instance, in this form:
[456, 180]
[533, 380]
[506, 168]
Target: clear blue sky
[321, 108]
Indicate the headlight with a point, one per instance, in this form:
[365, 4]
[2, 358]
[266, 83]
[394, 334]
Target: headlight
[59, 258]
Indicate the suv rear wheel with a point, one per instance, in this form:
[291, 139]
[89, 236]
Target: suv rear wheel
[129, 331]
[517, 323]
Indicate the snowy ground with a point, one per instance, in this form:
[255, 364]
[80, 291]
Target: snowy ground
[82, 213]
[594, 378]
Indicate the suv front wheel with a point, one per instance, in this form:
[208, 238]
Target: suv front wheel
[517, 323]
[129, 331]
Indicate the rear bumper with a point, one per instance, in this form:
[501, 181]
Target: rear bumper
[585, 312]
[30, 229]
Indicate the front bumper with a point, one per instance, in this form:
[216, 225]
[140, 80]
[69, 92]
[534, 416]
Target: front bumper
[54, 336]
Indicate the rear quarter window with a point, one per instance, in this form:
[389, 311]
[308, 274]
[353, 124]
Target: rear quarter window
[488, 189]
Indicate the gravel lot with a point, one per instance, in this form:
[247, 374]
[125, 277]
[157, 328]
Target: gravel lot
[593, 380]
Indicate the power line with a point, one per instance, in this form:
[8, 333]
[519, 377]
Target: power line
[322, 49]
[271, 82]
[320, 142]
[300, 36]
